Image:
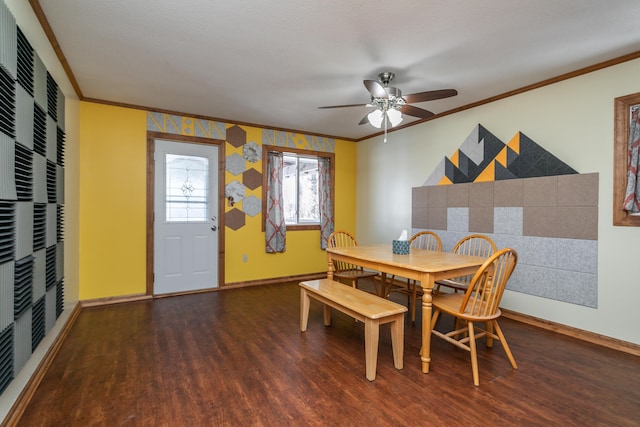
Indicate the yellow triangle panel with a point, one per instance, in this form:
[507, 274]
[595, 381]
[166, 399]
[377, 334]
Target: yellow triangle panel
[455, 159]
[444, 181]
[502, 157]
[514, 144]
[488, 174]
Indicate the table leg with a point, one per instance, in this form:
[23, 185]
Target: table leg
[425, 355]
[329, 267]
[304, 310]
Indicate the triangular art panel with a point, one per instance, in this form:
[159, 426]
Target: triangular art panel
[484, 157]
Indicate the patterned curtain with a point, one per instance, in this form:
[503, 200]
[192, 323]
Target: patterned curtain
[632, 196]
[275, 226]
[324, 199]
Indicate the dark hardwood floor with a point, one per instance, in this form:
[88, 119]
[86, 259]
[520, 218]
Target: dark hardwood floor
[237, 357]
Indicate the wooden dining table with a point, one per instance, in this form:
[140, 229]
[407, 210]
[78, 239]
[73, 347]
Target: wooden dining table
[420, 264]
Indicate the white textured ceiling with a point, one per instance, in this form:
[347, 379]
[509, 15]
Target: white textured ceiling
[273, 62]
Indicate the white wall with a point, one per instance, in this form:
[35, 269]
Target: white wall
[28, 23]
[573, 120]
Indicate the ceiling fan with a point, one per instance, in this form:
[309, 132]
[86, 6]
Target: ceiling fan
[389, 103]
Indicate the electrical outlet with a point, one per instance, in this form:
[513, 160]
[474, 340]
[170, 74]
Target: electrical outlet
[245, 258]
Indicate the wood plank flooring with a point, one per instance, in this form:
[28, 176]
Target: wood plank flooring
[237, 358]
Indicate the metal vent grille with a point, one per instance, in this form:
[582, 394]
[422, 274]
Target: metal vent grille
[51, 267]
[39, 130]
[6, 357]
[7, 230]
[60, 139]
[51, 182]
[38, 325]
[25, 63]
[39, 226]
[7, 104]
[24, 173]
[23, 283]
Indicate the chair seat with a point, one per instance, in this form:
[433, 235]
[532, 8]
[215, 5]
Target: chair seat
[451, 303]
[453, 283]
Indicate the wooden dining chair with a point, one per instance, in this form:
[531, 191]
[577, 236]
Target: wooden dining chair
[478, 305]
[423, 240]
[343, 270]
[475, 245]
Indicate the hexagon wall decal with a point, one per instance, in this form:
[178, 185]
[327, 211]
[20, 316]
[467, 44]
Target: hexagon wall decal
[236, 164]
[252, 179]
[252, 152]
[234, 219]
[236, 190]
[236, 136]
[252, 206]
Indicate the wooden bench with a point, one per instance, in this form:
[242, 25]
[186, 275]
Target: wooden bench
[372, 310]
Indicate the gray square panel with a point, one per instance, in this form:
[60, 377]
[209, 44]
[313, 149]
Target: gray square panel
[507, 220]
[458, 219]
[539, 251]
[577, 288]
[578, 255]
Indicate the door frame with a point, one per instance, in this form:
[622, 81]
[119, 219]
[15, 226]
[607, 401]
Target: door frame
[151, 137]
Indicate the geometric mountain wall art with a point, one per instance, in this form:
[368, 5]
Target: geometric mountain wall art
[483, 157]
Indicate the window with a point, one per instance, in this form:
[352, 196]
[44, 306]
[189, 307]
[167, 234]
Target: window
[300, 189]
[624, 106]
[187, 180]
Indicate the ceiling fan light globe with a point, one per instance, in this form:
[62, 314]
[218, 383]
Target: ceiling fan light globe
[375, 118]
[395, 117]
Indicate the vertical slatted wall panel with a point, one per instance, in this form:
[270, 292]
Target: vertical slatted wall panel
[39, 225]
[6, 294]
[23, 282]
[32, 113]
[51, 182]
[7, 103]
[6, 357]
[59, 223]
[25, 63]
[51, 267]
[39, 130]
[7, 226]
[7, 168]
[8, 40]
[38, 327]
[24, 173]
[59, 298]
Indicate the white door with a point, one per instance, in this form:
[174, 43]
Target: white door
[186, 209]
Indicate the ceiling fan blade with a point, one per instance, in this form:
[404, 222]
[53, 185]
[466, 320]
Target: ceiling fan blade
[364, 120]
[376, 89]
[410, 110]
[342, 106]
[430, 95]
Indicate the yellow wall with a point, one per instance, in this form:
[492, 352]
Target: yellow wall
[112, 201]
[113, 210]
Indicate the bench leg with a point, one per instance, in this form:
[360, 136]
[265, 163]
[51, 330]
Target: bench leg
[397, 341]
[371, 338]
[304, 309]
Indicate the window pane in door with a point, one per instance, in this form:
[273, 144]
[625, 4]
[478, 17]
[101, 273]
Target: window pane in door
[187, 188]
